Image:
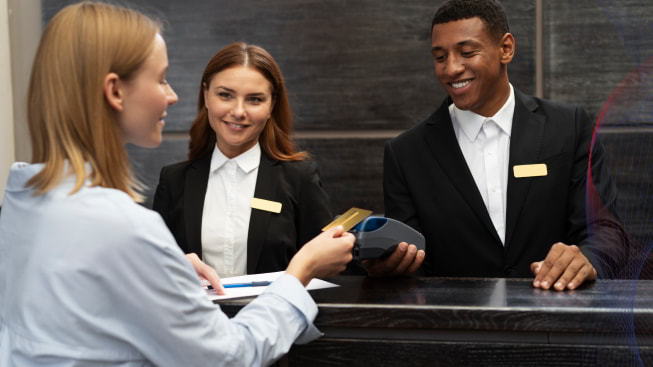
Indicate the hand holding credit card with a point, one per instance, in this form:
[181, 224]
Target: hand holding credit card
[376, 237]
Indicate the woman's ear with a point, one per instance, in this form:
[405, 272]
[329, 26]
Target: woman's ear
[205, 91]
[274, 102]
[113, 91]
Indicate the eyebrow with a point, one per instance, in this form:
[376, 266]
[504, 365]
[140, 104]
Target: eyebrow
[233, 91]
[225, 88]
[459, 44]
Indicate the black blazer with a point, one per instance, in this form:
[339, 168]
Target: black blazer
[428, 185]
[272, 238]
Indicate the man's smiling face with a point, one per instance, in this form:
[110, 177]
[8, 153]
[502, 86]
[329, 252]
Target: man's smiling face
[470, 65]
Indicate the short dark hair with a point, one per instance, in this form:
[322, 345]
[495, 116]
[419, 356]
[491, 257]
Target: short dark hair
[491, 13]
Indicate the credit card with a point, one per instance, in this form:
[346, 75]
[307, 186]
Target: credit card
[349, 219]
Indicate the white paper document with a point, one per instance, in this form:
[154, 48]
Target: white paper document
[230, 293]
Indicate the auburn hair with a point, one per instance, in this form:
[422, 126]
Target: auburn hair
[275, 139]
[70, 121]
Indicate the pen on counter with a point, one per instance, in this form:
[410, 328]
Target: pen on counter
[241, 285]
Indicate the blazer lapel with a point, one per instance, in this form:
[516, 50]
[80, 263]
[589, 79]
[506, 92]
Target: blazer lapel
[197, 179]
[442, 141]
[266, 188]
[525, 144]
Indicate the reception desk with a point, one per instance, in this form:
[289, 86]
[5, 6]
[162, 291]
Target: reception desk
[473, 322]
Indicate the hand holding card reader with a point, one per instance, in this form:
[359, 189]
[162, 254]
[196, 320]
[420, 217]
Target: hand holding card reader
[377, 237]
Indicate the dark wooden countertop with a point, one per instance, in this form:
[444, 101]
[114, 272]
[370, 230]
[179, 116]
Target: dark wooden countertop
[603, 309]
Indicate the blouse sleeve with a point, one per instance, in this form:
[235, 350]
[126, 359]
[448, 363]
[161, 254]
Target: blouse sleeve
[170, 320]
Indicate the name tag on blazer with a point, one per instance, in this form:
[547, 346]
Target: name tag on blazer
[530, 170]
[266, 205]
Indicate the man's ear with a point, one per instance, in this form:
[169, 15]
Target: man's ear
[507, 45]
[113, 91]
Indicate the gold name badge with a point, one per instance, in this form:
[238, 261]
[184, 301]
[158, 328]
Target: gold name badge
[266, 205]
[530, 170]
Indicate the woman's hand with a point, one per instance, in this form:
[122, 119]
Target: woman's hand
[205, 272]
[324, 256]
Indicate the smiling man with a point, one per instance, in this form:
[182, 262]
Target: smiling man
[496, 179]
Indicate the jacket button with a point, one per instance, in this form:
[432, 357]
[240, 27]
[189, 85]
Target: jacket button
[507, 270]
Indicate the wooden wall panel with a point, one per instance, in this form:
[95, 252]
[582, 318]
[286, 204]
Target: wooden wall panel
[595, 50]
[351, 171]
[599, 54]
[630, 154]
[349, 65]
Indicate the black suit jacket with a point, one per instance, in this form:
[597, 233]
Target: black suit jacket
[272, 238]
[428, 185]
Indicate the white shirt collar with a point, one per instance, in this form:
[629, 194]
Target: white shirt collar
[247, 161]
[471, 123]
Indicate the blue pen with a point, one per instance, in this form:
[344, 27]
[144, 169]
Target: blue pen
[242, 285]
[249, 284]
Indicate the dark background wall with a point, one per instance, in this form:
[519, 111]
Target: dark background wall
[598, 54]
[360, 72]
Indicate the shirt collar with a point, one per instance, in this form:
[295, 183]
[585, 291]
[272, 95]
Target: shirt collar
[471, 123]
[247, 161]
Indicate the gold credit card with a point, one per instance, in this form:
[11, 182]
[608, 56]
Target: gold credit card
[349, 219]
[530, 170]
[266, 205]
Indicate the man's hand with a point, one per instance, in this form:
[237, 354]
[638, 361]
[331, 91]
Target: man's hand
[403, 261]
[205, 272]
[565, 266]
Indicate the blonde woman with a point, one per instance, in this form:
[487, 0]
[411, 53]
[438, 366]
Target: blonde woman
[87, 276]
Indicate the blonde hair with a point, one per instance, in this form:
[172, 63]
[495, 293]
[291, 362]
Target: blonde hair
[69, 117]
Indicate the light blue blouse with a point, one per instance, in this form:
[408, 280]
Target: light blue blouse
[93, 279]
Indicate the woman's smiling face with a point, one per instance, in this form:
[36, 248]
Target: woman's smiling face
[146, 99]
[239, 102]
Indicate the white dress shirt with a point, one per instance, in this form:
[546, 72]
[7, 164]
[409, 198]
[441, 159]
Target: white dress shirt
[485, 144]
[227, 208]
[95, 279]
